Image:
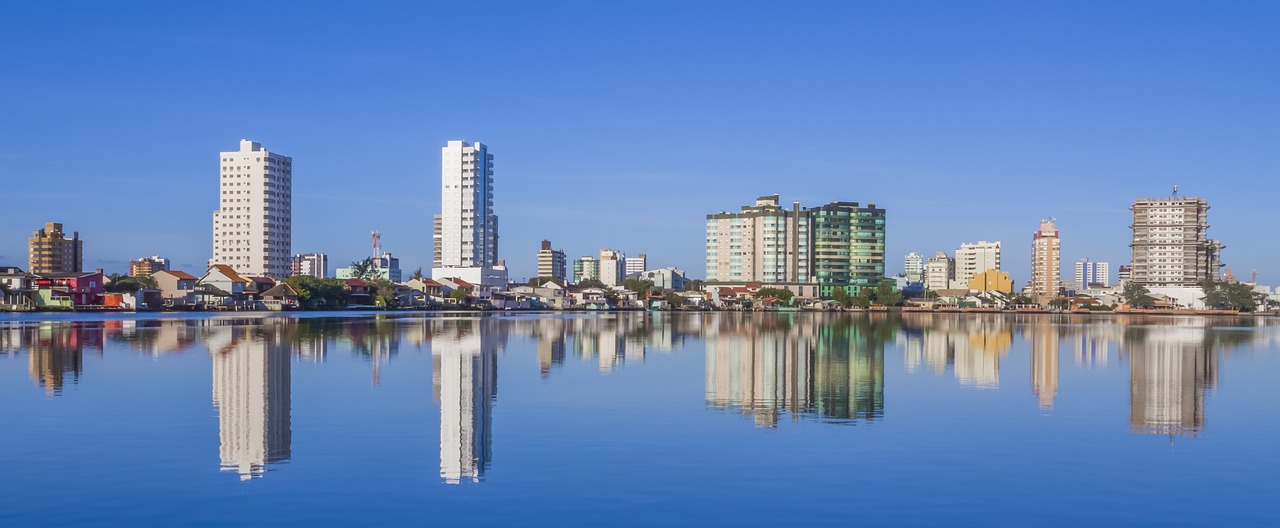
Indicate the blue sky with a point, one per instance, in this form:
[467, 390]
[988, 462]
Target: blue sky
[622, 125]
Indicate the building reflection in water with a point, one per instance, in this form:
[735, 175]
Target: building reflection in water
[804, 365]
[251, 390]
[465, 382]
[825, 367]
[56, 353]
[1044, 361]
[971, 345]
[1170, 367]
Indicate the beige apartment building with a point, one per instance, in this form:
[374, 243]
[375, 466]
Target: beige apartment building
[763, 243]
[1046, 261]
[1170, 244]
[50, 251]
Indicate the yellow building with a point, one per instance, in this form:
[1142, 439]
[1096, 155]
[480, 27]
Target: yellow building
[991, 280]
[50, 251]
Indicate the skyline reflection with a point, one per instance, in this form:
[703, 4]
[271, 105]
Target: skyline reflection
[252, 392]
[772, 368]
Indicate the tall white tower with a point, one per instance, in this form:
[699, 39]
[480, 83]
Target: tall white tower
[253, 226]
[466, 230]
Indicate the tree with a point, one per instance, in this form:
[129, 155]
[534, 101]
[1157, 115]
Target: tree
[1137, 295]
[864, 298]
[590, 283]
[675, 301]
[126, 284]
[638, 285]
[458, 295]
[384, 292]
[1060, 303]
[1021, 300]
[887, 295]
[313, 291]
[1229, 295]
[364, 269]
[694, 285]
[417, 274]
[842, 297]
[782, 294]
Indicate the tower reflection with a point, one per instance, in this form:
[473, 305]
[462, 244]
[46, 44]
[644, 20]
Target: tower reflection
[807, 366]
[1170, 367]
[465, 382]
[251, 390]
[56, 352]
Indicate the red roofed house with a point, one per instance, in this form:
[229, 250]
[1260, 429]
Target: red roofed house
[177, 288]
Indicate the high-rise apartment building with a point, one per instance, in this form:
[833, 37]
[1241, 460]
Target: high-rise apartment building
[585, 268]
[612, 267]
[466, 230]
[763, 242]
[145, 266]
[50, 251]
[939, 272]
[551, 262]
[837, 245]
[1170, 244]
[637, 263]
[972, 259]
[1046, 261]
[311, 264]
[913, 267]
[848, 246]
[253, 226]
[1088, 274]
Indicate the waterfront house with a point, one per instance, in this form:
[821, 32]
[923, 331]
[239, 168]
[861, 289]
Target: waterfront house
[177, 288]
[55, 290]
[280, 297]
[224, 278]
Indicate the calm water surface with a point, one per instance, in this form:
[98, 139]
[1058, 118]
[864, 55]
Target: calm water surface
[638, 419]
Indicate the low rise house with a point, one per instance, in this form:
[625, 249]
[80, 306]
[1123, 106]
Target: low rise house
[79, 288]
[177, 288]
[280, 297]
[224, 278]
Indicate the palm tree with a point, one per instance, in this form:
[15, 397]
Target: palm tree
[417, 274]
[363, 269]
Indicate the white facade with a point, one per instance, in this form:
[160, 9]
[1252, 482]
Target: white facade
[488, 276]
[972, 259]
[637, 264]
[1089, 273]
[913, 267]
[253, 226]
[612, 267]
[939, 271]
[466, 230]
[312, 264]
[761, 243]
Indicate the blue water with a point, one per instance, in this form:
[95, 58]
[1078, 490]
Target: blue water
[638, 420]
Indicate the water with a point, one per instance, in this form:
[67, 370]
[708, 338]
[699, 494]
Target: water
[638, 420]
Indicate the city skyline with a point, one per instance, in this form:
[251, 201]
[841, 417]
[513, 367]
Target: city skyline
[870, 120]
